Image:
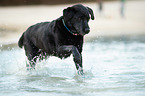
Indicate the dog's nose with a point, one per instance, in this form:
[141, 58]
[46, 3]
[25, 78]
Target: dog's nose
[87, 30]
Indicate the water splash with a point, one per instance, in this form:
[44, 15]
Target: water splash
[109, 68]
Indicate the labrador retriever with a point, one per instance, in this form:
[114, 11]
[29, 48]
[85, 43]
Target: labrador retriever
[61, 37]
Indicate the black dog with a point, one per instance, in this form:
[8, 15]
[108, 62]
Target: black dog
[61, 37]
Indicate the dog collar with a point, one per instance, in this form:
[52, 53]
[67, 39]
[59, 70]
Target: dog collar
[68, 28]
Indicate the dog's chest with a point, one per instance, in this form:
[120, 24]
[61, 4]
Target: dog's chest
[70, 41]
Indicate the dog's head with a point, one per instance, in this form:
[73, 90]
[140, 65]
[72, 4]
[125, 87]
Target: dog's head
[76, 19]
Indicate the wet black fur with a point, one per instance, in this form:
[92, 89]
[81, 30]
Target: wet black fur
[53, 39]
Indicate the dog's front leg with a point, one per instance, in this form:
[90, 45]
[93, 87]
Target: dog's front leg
[77, 57]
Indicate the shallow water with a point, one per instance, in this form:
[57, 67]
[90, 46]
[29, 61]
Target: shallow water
[112, 68]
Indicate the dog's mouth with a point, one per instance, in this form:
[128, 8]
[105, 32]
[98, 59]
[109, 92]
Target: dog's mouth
[79, 31]
[79, 34]
[76, 33]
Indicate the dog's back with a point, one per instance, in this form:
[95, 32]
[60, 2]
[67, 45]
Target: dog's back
[35, 33]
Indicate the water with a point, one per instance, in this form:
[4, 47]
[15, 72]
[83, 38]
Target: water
[112, 68]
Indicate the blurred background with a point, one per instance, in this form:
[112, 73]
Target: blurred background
[44, 2]
[113, 17]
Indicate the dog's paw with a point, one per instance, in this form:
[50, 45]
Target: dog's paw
[80, 72]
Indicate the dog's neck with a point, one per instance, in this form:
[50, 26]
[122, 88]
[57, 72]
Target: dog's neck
[68, 28]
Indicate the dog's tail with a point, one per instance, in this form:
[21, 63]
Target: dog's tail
[20, 42]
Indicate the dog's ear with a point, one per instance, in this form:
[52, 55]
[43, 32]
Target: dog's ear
[68, 13]
[91, 13]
